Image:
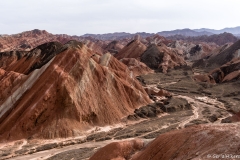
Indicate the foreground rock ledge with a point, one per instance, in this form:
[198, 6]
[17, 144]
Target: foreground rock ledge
[188, 143]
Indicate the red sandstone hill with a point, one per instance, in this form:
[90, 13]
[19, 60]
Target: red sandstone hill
[196, 142]
[68, 93]
[226, 54]
[160, 57]
[194, 51]
[25, 62]
[113, 47]
[193, 142]
[134, 49]
[157, 39]
[137, 67]
[9, 83]
[30, 39]
[225, 65]
[225, 73]
[95, 46]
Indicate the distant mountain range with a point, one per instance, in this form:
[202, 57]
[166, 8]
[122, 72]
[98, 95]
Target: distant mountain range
[183, 32]
[200, 32]
[234, 31]
[117, 35]
[219, 39]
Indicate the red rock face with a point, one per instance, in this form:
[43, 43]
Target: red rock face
[194, 51]
[204, 78]
[118, 150]
[157, 39]
[235, 117]
[232, 76]
[192, 142]
[25, 62]
[226, 64]
[200, 142]
[225, 55]
[9, 82]
[113, 47]
[137, 67]
[206, 49]
[28, 40]
[157, 92]
[226, 73]
[161, 57]
[95, 46]
[231, 70]
[134, 49]
[70, 93]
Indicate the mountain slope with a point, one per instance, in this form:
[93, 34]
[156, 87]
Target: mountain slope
[25, 62]
[196, 142]
[216, 60]
[28, 40]
[134, 49]
[69, 94]
[138, 68]
[160, 57]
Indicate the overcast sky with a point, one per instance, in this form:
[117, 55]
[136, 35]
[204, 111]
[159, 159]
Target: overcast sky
[77, 17]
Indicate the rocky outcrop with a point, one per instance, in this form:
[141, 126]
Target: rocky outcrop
[194, 51]
[196, 142]
[119, 150]
[235, 117]
[25, 62]
[69, 94]
[235, 75]
[157, 39]
[134, 49]
[157, 92]
[160, 57]
[226, 73]
[222, 67]
[226, 54]
[9, 82]
[204, 78]
[137, 67]
[113, 47]
[148, 111]
[193, 142]
[96, 46]
[28, 40]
